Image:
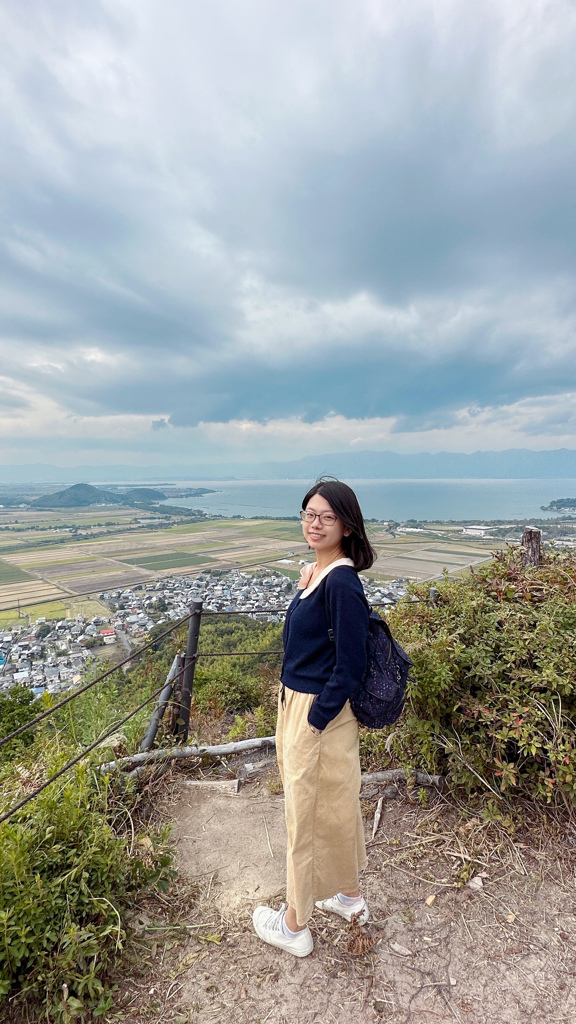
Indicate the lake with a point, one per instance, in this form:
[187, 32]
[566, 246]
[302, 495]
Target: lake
[389, 499]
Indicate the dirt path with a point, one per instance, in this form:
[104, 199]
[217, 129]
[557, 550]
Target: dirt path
[505, 954]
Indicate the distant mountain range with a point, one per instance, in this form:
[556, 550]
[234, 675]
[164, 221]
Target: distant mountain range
[520, 463]
[514, 463]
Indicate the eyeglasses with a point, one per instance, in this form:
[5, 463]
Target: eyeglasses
[326, 518]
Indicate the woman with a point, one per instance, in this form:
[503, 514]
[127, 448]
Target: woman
[325, 636]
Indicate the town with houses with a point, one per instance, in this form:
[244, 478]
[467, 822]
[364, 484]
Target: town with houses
[51, 656]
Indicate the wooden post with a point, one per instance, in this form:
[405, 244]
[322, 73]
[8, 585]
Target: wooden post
[160, 708]
[189, 669]
[531, 550]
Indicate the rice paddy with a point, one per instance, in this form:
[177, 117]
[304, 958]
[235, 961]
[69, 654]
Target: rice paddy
[156, 563]
[38, 567]
[12, 573]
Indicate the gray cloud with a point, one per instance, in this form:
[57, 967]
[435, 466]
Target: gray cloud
[156, 159]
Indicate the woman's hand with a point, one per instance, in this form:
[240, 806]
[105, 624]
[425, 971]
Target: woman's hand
[317, 732]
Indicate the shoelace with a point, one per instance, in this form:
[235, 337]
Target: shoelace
[279, 921]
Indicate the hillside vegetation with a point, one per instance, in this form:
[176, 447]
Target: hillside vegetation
[492, 702]
[77, 496]
[73, 861]
[491, 706]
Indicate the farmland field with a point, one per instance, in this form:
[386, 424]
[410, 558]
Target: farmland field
[13, 595]
[66, 609]
[95, 583]
[12, 574]
[69, 569]
[114, 556]
[175, 561]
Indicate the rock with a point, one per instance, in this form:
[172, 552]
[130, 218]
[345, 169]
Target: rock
[476, 884]
[391, 793]
[400, 950]
[117, 742]
[373, 792]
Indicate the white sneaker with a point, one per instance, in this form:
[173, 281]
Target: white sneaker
[268, 925]
[334, 906]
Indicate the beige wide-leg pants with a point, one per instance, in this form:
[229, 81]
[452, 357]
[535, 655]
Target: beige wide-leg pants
[321, 778]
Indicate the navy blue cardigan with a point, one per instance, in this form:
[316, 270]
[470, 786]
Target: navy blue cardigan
[315, 664]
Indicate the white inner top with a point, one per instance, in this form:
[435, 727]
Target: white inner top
[339, 561]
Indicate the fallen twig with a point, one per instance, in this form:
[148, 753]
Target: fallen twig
[268, 837]
[135, 761]
[377, 817]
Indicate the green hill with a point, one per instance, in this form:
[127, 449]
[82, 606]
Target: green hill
[142, 494]
[78, 496]
[81, 495]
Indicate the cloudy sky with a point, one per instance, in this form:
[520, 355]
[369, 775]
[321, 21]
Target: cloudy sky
[252, 229]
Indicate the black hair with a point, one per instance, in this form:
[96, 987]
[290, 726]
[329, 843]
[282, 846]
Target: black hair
[344, 504]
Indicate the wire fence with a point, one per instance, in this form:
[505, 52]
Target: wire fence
[70, 764]
[134, 655]
[180, 679]
[93, 682]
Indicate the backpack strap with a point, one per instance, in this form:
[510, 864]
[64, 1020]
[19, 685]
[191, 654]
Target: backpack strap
[329, 617]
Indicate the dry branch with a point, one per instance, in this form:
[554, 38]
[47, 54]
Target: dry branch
[219, 785]
[399, 775]
[224, 749]
[220, 750]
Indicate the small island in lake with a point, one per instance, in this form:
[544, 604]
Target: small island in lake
[188, 492]
[560, 505]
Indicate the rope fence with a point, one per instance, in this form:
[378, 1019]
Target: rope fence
[174, 679]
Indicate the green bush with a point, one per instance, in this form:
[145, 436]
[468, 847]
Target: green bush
[226, 687]
[492, 701]
[73, 860]
[236, 684]
[239, 633]
[374, 753]
[17, 707]
[69, 869]
[238, 731]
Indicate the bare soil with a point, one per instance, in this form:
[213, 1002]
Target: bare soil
[435, 950]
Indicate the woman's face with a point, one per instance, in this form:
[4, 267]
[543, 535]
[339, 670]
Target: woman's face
[323, 536]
